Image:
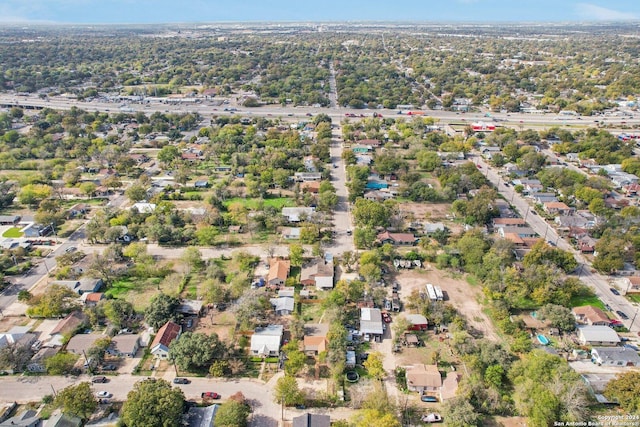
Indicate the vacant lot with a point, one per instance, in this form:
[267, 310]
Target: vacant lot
[458, 292]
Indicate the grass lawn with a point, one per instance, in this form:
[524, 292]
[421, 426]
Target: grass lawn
[634, 297]
[137, 291]
[277, 202]
[13, 232]
[580, 300]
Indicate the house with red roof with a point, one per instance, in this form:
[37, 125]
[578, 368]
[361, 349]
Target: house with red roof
[166, 334]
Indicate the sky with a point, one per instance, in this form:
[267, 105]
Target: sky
[186, 11]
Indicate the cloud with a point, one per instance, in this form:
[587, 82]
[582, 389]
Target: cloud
[599, 13]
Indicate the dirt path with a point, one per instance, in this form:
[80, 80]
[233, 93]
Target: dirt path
[458, 292]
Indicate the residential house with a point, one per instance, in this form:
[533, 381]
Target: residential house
[201, 184]
[488, 152]
[66, 327]
[144, 207]
[590, 315]
[631, 284]
[81, 343]
[509, 222]
[9, 219]
[37, 230]
[597, 336]
[613, 203]
[166, 334]
[522, 232]
[361, 149]
[296, 214]
[312, 187]
[542, 198]
[266, 341]
[38, 362]
[586, 244]
[63, 420]
[615, 356]
[29, 418]
[417, 322]
[565, 222]
[430, 228]
[315, 338]
[397, 239]
[82, 286]
[371, 322]
[557, 208]
[378, 195]
[201, 416]
[312, 420]
[290, 233]
[77, 210]
[318, 273]
[124, 345]
[18, 336]
[278, 272]
[91, 299]
[307, 176]
[424, 379]
[190, 307]
[373, 143]
[287, 291]
[283, 306]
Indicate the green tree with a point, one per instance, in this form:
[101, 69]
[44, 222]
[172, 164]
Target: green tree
[168, 154]
[136, 192]
[296, 360]
[196, 351]
[625, 389]
[14, 356]
[153, 403]
[428, 160]
[375, 418]
[33, 194]
[287, 392]
[57, 301]
[118, 311]
[364, 238]
[61, 363]
[161, 309]
[560, 317]
[460, 413]
[374, 365]
[192, 257]
[371, 214]
[77, 400]
[296, 253]
[233, 414]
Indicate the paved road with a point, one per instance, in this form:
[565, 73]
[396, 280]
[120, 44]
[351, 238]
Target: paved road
[598, 282]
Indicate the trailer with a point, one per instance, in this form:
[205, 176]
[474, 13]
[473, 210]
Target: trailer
[431, 292]
[439, 294]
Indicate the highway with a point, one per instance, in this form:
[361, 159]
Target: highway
[598, 282]
[337, 113]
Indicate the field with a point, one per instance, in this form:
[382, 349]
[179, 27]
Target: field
[278, 202]
[13, 232]
[581, 300]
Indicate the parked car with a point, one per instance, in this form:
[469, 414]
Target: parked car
[622, 315]
[109, 367]
[426, 398]
[614, 291]
[99, 379]
[71, 249]
[210, 395]
[431, 418]
[181, 381]
[103, 394]
[386, 317]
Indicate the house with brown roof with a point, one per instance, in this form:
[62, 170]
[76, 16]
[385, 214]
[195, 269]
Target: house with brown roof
[91, 299]
[632, 284]
[590, 315]
[557, 208]
[509, 222]
[318, 273]
[166, 334]
[67, 326]
[312, 187]
[278, 271]
[124, 345]
[424, 379]
[315, 338]
[397, 239]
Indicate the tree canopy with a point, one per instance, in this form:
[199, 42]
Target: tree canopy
[153, 403]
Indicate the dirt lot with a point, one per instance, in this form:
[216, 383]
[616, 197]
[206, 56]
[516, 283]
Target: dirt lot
[458, 292]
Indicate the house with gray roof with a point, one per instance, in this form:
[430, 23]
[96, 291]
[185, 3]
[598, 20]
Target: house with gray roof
[266, 341]
[371, 321]
[615, 356]
[597, 335]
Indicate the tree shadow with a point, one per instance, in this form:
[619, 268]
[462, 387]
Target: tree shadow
[263, 421]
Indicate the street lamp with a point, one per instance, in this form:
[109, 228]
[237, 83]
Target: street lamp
[633, 320]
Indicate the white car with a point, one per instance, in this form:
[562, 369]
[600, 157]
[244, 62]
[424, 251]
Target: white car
[103, 394]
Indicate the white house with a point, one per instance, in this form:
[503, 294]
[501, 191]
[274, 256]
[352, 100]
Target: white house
[615, 356]
[266, 341]
[597, 335]
[166, 334]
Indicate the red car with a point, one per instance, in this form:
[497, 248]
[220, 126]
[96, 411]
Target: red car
[210, 395]
[386, 317]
